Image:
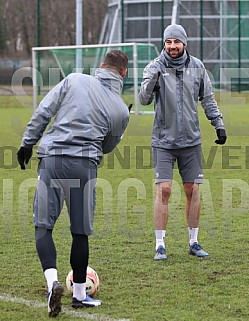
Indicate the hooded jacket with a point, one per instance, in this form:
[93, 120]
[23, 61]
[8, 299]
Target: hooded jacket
[176, 122]
[89, 117]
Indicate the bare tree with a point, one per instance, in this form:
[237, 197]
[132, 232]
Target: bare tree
[94, 12]
[18, 24]
[19, 29]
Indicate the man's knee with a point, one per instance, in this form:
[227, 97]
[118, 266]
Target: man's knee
[41, 232]
[164, 190]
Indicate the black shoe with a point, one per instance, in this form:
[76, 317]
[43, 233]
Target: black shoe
[54, 299]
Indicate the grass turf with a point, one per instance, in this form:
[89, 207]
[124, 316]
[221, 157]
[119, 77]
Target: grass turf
[132, 285]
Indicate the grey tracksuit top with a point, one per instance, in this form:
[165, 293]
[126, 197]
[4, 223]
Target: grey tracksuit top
[176, 123]
[89, 114]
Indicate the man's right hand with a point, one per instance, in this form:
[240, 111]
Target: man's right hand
[23, 155]
[151, 74]
[156, 87]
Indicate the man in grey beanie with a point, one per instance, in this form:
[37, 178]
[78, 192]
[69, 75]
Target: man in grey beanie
[176, 32]
[176, 81]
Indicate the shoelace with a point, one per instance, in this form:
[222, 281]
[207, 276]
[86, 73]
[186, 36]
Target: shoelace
[161, 250]
[196, 246]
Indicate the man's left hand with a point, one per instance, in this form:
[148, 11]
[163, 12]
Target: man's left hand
[222, 137]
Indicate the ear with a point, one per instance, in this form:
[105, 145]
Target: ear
[123, 73]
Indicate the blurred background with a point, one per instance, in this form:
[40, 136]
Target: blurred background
[217, 30]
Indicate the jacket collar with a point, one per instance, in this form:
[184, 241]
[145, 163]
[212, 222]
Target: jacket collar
[110, 79]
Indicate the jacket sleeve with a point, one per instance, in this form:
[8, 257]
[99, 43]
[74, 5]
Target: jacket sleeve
[115, 134]
[209, 103]
[47, 108]
[150, 77]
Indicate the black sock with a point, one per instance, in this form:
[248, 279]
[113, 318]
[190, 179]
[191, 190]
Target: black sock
[79, 257]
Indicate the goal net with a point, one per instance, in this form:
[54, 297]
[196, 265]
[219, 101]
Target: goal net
[52, 64]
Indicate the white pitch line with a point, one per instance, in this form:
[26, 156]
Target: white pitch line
[72, 313]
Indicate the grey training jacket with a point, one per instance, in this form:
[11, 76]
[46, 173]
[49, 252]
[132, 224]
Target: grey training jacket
[176, 123]
[89, 117]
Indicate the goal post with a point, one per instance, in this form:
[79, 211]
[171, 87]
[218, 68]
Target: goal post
[51, 64]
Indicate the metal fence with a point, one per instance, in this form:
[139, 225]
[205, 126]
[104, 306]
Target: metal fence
[217, 31]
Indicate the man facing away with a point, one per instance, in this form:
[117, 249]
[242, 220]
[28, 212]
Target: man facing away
[89, 119]
[176, 81]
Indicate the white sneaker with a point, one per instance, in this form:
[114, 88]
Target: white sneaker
[160, 254]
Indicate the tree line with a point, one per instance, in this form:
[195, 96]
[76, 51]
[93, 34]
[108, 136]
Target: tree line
[19, 21]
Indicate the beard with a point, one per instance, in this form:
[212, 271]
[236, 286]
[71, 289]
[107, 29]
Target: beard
[175, 53]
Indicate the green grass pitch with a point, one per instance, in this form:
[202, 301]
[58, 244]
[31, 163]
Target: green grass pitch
[132, 286]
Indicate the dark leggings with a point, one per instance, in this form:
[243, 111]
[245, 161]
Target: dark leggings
[47, 252]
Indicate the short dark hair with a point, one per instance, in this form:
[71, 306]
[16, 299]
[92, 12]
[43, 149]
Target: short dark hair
[116, 59]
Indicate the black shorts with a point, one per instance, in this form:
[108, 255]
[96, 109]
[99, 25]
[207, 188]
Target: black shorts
[69, 179]
[189, 161]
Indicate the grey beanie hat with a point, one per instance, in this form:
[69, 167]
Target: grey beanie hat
[176, 32]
